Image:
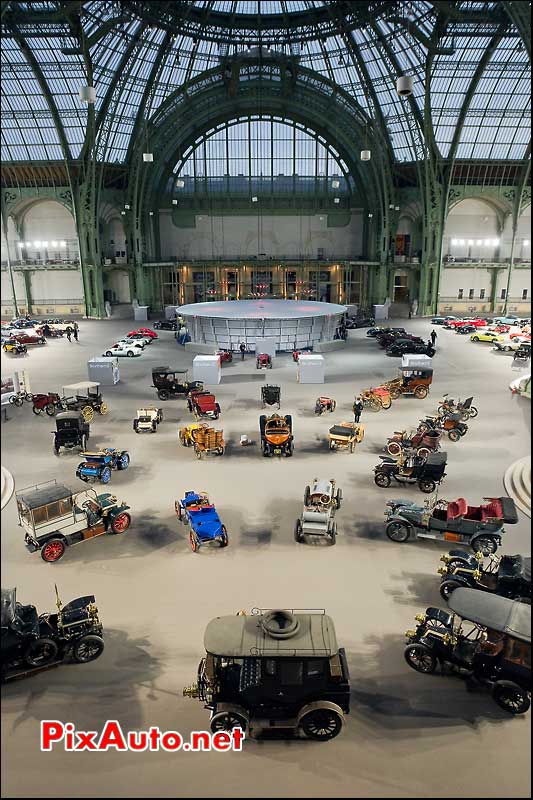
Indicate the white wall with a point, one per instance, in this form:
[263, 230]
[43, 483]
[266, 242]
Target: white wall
[246, 236]
[118, 280]
[47, 285]
[49, 221]
[472, 222]
[7, 292]
[522, 248]
[12, 236]
[454, 279]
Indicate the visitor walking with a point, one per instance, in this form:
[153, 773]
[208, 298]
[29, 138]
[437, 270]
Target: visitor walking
[69, 333]
[76, 331]
[357, 408]
[433, 336]
[242, 348]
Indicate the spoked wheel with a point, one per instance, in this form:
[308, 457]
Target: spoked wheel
[224, 539]
[105, 476]
[123, 461]
[121, 522]
[374, 405]
[298, 532]
[17, 401]
[53, 550]
[333, 405]
[454, 435]
[420, 658]
[427, 486]
[473, 412]
[307, 495]
[36, 410]
[102, 409]
[227, 721]
[511, 697]
[87, 413]
[88, 648]
[386, 402]
[382, 480]
[333, 534]
[394, 448]
[447, 588]
[421, 392]
[193, 542]
[398, 531]
[394, 393]
[40, 652]
[163, 394]
[484, 544]
[423, 452]
[321, 724]
[177, 509]
[51, 410]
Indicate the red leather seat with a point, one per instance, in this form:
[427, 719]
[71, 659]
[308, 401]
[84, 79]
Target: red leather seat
[457, 508]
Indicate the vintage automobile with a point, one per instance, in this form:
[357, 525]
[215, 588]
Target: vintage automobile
[499, 329]
[494, 651]
[136, 338]
[276, 435]
[410, 381]
[465, 330]
[421, 442]
[166, 325]
[14, 347]
[321, 500]
[147, 332]
[196, 510]
[203, 404]
[85, 395]
[171, 383]
[29, 338]
[24, 323]
[442, 320]
[377, 398]
[187, 433]
[147, 419]
[408, 468]
[49, 331]
[270, 395]
[521, 335]
[372, 333]
[388, 339]
[263, 361]
[51, 403]
[129, 349]
[54, 517]
[274, 670]
[507, 345]
[403, 347]
[98, 465]
[323, 404]
[521, 386]
[225, 356]
[363, 321]
[450, 422]
[71, 431]
[480, 527]
[32, 641]
[345, 436]
[142, 335]
[486, 336]
[511, 319]
[508, 576]
[523, 353]
[464, 407]
[208, 441]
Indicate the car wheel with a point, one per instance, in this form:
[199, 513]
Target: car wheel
[427, 486]
[382, 480]
[130, 353]
[163, 394]
[333, 534]
[108, 353]
[298, 532]
[227, 721]
[321, 724]
[420, 658]
[454, 435]
[56, 449]
[121, 522]
[394, 448]
[224, 540]
[105, 476]
[511, 697]
[37, 411]
[50, 410]
[421, 392]
[123, 461]
[53, 550]
[40, 652]
[102, 409]
[307, 495]
[193, 542]
[423, 452]
[398, 531]
[473, 412]
[88, 648]
[475, 338]
[447, 588]
[507, 349]
[484, 544]
[394, 393]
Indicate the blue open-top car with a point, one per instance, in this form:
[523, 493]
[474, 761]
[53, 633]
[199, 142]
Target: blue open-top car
[98, 465]
[197, 510]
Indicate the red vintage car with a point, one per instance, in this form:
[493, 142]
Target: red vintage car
[523, 337]
[225, 355]
[203, 404]
[458, 323]
[145, 332]
[29, 338]
[499, 329]
[263, 361]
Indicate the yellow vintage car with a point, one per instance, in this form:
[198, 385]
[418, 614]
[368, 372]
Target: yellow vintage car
[186, 435]
[485, 336]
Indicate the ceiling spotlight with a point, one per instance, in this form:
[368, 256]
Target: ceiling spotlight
[126, 206]
[180, 184]
[370, 215]
[391, 206]
[454, 242]
[21, 244]
[335, 184]
[404, 85]
[44, 244]
[123, 213]
[366, 155]
[470, 242]
[62, 244]
[28, 244]
[336, 200]
[54, 244]
[174, 202]
[526, 242]
[148, 157]
[396, 208]
[36, 244]
[479, 241]
[255, 199]
[150, 213]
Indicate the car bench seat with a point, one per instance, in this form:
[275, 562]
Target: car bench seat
[456, 508]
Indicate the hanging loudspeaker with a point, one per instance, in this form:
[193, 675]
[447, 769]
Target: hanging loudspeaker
[148, 156]
[404, 85]
[366, 155]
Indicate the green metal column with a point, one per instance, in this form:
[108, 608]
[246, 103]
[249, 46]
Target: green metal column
[26, 274]
[494, 287]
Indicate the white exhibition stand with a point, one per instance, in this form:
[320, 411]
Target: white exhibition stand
[140, 313]
[206, 369]
[103, 370]
[310, 368]
[267, 346]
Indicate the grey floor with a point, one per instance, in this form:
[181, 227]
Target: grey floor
[408, 735]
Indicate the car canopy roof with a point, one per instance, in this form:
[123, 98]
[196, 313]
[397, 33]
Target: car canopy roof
[168, 370]
[81, 386]
[492, 611]
[41, 495]
[437, 459]
[241, 636]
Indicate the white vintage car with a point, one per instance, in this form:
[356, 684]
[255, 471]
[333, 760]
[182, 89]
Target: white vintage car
[321, 500]
[147, 419]
[125, 348]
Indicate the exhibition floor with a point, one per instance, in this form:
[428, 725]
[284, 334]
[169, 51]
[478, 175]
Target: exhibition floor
[408, 735]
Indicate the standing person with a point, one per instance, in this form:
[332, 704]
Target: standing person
[357, 408]
[433, 336]
[76, 331]
[69, 333]
[242, 348]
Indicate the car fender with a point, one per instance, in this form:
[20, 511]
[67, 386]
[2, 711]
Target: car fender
[53, 535]
[316, 704]
[399, 518]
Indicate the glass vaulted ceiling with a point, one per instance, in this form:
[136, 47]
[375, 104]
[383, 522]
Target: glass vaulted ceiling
[138, 63]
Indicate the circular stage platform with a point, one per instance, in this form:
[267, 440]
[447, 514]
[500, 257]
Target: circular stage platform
[293, 324]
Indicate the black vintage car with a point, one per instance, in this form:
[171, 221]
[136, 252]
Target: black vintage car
[359, 322]
[376, 332]
[31, 641]
[270, 395]
[274, 670]
[508, 576]
[170, 383]
[462, 330]
[493, 649]
[165, 325]
[71, 431]
[480, 527]
[402, 347]
[427, 472]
